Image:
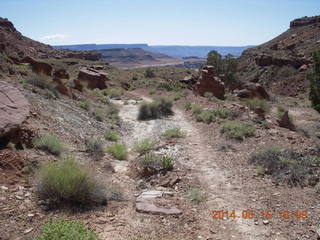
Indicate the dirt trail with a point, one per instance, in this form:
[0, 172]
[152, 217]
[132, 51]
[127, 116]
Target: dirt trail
[223, 191]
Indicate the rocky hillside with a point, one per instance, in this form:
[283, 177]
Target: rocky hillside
[15, 46]
[283, 62]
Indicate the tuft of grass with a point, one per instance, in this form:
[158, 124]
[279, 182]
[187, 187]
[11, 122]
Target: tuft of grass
[287, 165]
[208, 95]
[196, 195]
[86, 105]
[260, 170]
[63, 229]
[49, 143]
[118, 150]
[144, 146]
[238, 130]
[152, 163]
[112, 111]
[149, 73]
[111, 136]
[155, 109]
[196, 109]
[206, 116]
[67, 180]
[151, 92]
[95, 147]
[41, 80]
[166, 162]
[98, 114]
[115, 93]
[187, 105]
[222, 113]
[256, 103]
[174, 133]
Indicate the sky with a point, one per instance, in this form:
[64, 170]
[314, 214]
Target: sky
[156, 22]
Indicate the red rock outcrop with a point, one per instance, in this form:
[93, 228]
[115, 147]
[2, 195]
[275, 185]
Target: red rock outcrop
[61, 73]
[252, 90]
[14, 109]
[38, 66]
[93, 78]
[209, 82]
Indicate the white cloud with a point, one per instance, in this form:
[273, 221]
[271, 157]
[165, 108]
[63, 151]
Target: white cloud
[54, 37]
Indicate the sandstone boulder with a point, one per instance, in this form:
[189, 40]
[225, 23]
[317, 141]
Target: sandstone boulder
[38, 66]
[252, 90]
[77, 85]
[93, 78]
[286, 122]
[14, 109]
[209, 82]
[146, 203]
[61, 73]
[61, 87]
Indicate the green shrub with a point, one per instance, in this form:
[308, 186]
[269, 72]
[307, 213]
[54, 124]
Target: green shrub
[187, 105]
[164, 86]
[49, 143]
[196, 109]
[149, 73]
[221, 113]
[115, 93]
[63, 229]
[314, 78]
[98, 114]
[111, 136]
[166, 162]
[154, 163]
[208, 95]
[151, 92]
[206, 116]
[238, 130]
[196, 195]
[174, 133]
[95, 147]
[42, 81]
[155, 109]
[86, 105]
[281, 111]
[118, 150]
[144, 146]
[260, 170]
[287, 165]
[178, 96]
[256, 103]
[68, 181]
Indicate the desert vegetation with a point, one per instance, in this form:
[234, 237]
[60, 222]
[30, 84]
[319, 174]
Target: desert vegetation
[314, 78]
[49, 143]
[64, 229]
[67, 181]
[237, 129]
[118, 150]
[156, 109]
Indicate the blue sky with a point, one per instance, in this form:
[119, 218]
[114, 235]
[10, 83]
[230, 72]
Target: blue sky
[156, 22]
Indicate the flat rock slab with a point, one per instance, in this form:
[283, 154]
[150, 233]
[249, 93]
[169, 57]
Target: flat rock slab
[145, 203]
[14, 108]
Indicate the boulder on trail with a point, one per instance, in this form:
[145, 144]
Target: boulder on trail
[14, 109]
[146, 203]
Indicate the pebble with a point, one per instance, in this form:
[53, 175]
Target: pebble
[28, 230]
[4, 188]
[265, 222]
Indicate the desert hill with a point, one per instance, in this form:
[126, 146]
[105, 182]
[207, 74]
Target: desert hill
[282, 63]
